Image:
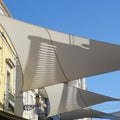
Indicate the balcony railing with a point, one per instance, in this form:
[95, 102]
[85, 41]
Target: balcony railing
[9, 102]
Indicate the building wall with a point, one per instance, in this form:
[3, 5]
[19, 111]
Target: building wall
[29, 99]
[7, 70]
[7, 58]
[16, 77]
[7, 51]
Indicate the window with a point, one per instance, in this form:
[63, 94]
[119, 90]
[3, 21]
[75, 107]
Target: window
[8, 81]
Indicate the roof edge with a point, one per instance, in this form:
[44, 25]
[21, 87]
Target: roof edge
[5, 8]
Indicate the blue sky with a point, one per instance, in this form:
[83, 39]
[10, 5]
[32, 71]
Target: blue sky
[95, 19]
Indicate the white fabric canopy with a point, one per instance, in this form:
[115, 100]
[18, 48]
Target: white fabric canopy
[48, 57]
[64, 98]
[116, 113]
[89, 113]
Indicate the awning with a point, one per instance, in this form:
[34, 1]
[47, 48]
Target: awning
[87, 113]
[64, 98]
[48, 57]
